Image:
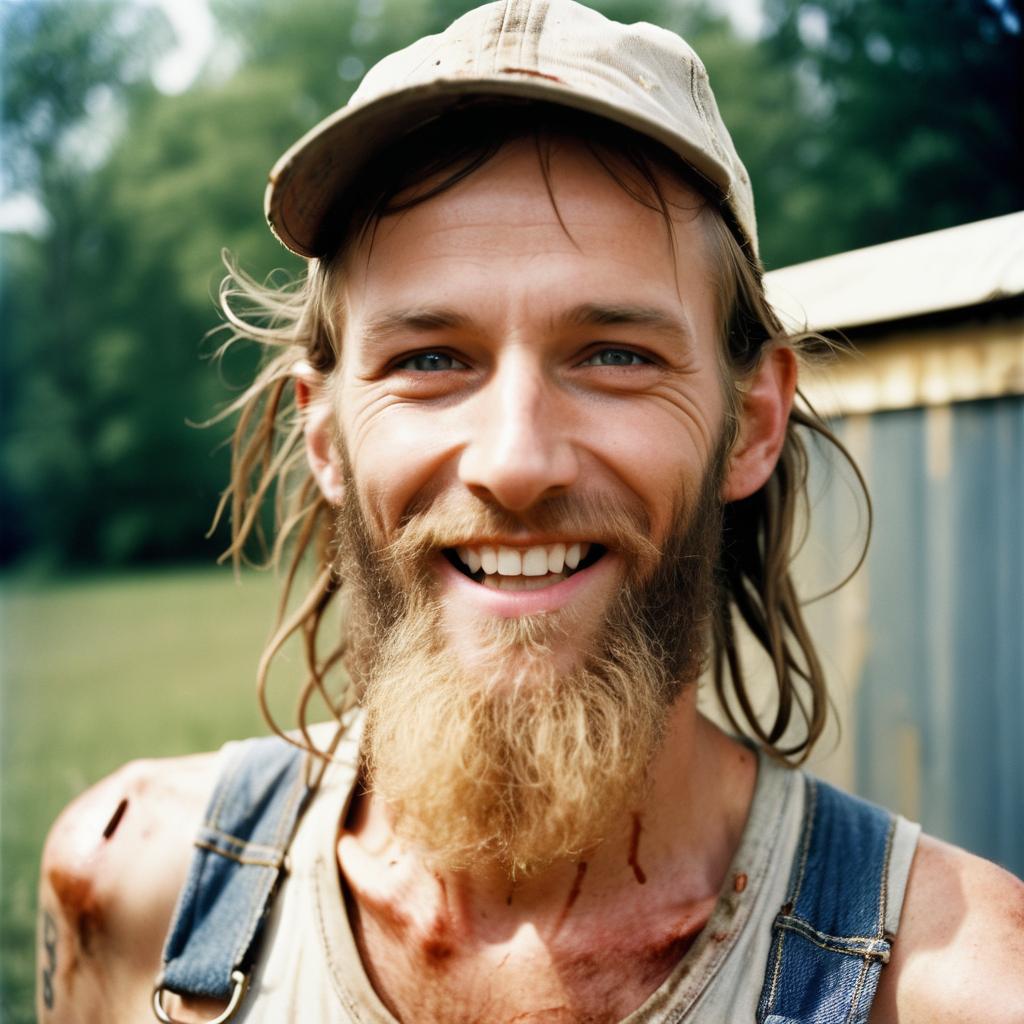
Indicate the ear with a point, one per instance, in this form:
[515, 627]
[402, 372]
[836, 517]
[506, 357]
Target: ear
[763, 418]
[319, 432]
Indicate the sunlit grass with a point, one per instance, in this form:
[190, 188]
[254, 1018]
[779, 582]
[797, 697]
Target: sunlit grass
[96, 671]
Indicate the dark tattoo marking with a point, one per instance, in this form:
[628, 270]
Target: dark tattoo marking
[115, 819]
[50, 949]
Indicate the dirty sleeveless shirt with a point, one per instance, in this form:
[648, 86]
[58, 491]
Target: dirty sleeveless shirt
[308, 967]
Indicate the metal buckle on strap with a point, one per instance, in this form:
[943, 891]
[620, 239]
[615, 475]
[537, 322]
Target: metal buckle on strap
[241, 983]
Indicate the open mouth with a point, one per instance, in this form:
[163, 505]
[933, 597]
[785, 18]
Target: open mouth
[524, 568]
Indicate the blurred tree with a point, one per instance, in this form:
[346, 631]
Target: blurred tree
[910, 120]
[71, 73]
[61, 61]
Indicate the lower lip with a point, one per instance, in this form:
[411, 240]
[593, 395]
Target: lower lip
[512, 603]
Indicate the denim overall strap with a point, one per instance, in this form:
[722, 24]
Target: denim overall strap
[829, 941]
[239, 858]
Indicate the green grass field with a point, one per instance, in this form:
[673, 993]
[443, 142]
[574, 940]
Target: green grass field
[97, 671]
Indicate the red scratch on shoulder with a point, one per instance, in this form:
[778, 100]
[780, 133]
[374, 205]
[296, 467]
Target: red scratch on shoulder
[78, 904]
[115, 818]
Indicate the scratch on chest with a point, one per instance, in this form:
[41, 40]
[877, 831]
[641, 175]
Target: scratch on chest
[634, 848]
[437, 946]
[574, 892]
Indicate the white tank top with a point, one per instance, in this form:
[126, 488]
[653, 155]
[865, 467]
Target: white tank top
[309, 967]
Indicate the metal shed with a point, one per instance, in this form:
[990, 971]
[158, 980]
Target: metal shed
[926, 644]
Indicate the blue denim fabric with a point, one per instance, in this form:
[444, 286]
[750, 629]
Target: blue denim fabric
[239, 858]
[829, 941]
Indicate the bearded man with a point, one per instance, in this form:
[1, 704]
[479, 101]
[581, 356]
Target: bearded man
[542, 446]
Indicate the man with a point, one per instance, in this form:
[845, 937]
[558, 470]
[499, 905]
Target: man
[543, 443]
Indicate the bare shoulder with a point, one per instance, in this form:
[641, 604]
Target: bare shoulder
[112, 867]
[959, 955]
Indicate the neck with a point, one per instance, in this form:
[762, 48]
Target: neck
[676, 840]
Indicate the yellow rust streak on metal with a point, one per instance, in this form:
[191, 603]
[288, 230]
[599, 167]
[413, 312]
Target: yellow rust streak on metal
[912, 369]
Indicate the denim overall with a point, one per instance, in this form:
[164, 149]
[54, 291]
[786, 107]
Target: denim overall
[828, 945]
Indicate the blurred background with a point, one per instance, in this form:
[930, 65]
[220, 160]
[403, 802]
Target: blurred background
[136, 138]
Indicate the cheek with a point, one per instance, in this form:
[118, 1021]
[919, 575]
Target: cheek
[398, 453]
[660, 449]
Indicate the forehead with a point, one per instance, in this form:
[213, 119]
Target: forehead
[536, 221]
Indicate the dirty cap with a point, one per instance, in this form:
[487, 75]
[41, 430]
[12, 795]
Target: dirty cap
[555, 51]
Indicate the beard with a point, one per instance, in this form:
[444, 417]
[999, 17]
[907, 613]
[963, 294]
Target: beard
[508, 755]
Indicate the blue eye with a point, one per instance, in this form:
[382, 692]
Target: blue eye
[615, 357]
[428, 362]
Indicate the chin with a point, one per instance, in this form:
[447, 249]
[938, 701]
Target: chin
[528, 649]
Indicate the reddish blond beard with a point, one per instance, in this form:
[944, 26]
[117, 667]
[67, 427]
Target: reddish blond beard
[511, 758]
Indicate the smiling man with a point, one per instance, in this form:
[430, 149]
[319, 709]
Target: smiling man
[543, 448]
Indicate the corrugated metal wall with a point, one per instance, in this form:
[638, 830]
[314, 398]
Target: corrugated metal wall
[927, 643]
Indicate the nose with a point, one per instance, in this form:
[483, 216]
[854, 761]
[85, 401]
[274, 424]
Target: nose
[519, 451]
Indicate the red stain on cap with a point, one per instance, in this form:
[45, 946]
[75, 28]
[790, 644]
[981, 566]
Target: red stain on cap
[531, 72]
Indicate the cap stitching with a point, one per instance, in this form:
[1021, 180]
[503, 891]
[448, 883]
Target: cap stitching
[496, 33]
[523, 32]
[508, 24]
[491, 26]
[695, 96]
[529, 37]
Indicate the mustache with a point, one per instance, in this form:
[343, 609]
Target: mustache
[455, 519]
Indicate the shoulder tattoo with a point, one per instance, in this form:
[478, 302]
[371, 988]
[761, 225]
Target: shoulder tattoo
[48, 957]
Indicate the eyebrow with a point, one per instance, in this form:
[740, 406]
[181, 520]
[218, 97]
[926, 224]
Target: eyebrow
[418, 319]
[586, 314]
[591, 314]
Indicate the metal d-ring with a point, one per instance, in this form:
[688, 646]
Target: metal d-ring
[241, 983]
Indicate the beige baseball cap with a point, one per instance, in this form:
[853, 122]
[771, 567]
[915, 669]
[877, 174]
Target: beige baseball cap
[557, 51]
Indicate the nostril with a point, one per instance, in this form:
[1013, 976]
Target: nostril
[482, 493]
[517, 471]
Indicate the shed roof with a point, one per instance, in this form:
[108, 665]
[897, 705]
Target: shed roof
[949, 269]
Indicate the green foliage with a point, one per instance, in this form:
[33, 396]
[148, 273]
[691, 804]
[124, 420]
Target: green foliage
[911, 119]
[59, 61]
[859, 120]
[97, 671]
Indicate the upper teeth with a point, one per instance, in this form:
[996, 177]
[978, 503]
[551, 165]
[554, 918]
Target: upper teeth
[533, 561]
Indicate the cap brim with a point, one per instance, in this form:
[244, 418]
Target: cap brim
[306, 183]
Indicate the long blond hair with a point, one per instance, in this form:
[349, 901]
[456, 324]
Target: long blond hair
[297, 325]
